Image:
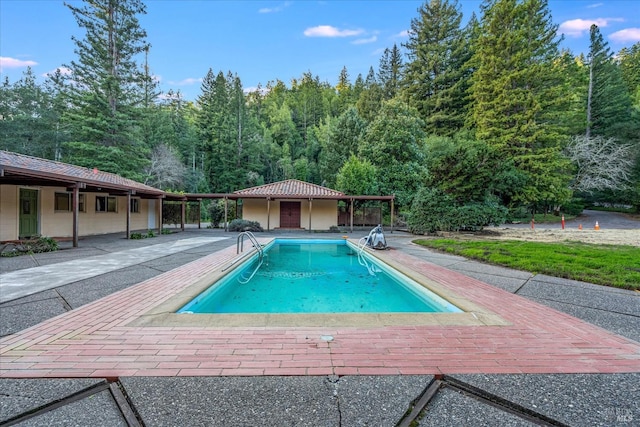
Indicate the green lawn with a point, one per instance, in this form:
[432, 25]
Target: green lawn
[609, 265]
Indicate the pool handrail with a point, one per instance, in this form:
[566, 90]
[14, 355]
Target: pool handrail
[254, 241]
[240, 248]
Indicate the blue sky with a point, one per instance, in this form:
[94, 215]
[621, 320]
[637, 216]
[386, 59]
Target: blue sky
[266, 40]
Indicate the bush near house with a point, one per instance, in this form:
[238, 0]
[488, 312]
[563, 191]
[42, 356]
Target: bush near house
[33, 245]
[244, 225]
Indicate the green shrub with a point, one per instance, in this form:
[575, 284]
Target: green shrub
[216, 211]
[244, 225]
[136, 236]
[433, 210]
[574, 207]
[33, 245]
[44, 244]
[150, 233]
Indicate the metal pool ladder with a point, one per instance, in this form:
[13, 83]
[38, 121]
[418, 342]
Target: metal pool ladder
[240, 248]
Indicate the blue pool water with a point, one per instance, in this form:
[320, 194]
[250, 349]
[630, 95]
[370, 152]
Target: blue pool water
[315, 276]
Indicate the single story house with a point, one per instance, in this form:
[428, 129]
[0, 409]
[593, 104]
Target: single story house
[293, 204]
[49, 198]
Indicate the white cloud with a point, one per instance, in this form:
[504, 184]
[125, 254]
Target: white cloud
[626, 35]
[6, 62]
[365, 41]
[592, 6]
[186, 82]
[403, 33]
[275, 9]
[576, 27]
[329, 31]
[262, 90]
[63, 70]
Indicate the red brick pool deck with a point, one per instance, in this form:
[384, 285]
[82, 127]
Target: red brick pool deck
[97, 340]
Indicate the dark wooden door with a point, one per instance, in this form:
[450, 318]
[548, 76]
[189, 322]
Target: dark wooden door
[289, 214]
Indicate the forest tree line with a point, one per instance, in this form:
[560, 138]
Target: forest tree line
[471, 121]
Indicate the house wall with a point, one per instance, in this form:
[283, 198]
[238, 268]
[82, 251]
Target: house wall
[60, 223]
[8, 212]
[324, 213]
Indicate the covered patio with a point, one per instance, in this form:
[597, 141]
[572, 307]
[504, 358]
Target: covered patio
[289, 204]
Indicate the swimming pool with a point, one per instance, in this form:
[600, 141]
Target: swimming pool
[316, 276]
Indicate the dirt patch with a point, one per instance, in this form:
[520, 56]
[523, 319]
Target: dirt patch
[608, 237]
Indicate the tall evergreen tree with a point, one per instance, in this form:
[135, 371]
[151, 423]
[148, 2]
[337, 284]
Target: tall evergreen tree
[609, 106]
[107, 79]
[630, 66]
[307, 104]
[390, 72]
[215, 131]
[370, 100]
[342, 142]
[29, 119]
[436, 75]
[517, 91]
[107, 83]
[344, 90]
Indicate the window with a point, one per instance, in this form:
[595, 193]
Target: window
[82, 206]
[62, 202]
[135, 206]
[106, 204]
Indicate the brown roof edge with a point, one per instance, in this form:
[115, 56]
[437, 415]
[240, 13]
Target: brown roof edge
[21, 164]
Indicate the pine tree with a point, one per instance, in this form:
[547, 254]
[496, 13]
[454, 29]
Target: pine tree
[609, 106]
[517, 92]
[629, 59]
[107, 84]
[28, 118]
[370, 99]
[214, 129]
[107, 79]
[342, 142]
[436, 75]
[344, 90]
[390, 72]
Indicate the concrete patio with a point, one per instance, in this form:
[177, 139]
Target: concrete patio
[561, 352]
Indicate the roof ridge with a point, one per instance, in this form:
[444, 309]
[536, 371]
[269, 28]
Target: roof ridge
[290, 187]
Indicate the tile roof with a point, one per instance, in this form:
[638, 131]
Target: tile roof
[290, 188]
[34, 166]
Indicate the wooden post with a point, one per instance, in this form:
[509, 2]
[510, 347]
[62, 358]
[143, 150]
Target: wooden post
[160, 219]
[310, 207]
[268, 212]
[76, 207]
[351, 215]
[226, 213]
[199, 213]
[391, 215]
[183, 211]
[128, 214]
